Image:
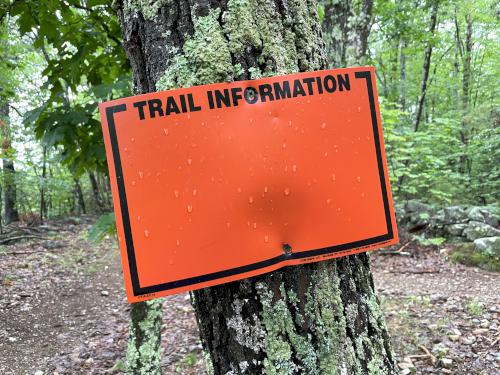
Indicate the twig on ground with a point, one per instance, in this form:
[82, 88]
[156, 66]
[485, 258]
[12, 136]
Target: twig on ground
[16, 238]
[405, 245]
[417, 271]
[428, 354]
[398, 251]
[395, 252]
[495, 342]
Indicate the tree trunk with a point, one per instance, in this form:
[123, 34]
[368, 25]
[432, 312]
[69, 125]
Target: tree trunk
[402, 74]
[321, 318]
[95, 191]
[346, 28]
[43, 203]
[427, 65]
[466, 73]
[143, 350]
[9, 172]
[50, 209]
[466, 57]
[79, 196]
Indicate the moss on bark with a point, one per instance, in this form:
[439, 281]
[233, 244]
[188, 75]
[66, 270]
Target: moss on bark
[144, 349]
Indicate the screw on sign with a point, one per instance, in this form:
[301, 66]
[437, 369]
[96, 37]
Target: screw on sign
[221, 182]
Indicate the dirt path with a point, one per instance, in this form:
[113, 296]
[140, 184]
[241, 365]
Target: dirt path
[57, 295]
[436, 307]
[63, 311]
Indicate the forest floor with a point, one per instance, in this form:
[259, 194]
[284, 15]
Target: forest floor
[63, 310]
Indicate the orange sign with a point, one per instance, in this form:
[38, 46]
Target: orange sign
[221, 182]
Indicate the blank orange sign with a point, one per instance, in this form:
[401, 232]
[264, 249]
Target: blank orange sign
[220, 182]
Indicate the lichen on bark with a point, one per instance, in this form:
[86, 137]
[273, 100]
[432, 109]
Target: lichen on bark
[144, 343]
[315, 319]
[205, 56]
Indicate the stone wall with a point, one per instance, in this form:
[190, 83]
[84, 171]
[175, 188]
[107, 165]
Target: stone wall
[477, 225]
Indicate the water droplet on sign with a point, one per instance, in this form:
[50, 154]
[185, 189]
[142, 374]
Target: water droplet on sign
[328, 201]
[195, 192]
[250, 199]
[287, 191]
[190, 161]
[294, 168]
[266, 189]
[165, 131]
[323, 125]
[228, 224]
[254, 225]
[189, 208]
[333, 177]
[176, 193]
[141, 175]
[358, 178]
[266, 239]
[239, 190]
[178, 242]
[146, 233]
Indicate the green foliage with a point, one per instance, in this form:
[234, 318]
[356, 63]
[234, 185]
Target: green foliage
[85, 64]
[455, 154]
[58, 62]
[429, 241]
[476, 308]
[120, 366]
[104, 226]
[188, 361]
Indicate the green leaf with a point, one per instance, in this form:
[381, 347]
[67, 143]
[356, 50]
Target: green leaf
[104, 226]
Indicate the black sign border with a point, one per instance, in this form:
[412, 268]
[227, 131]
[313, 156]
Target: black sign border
[139, 291]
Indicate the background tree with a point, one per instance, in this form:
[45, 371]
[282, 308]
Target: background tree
[318, 318]
[346, 26]
[7, 84]
[9, 173]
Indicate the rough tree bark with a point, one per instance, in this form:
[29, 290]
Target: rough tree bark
[321, 318]
[346, 27]
[9, 173]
